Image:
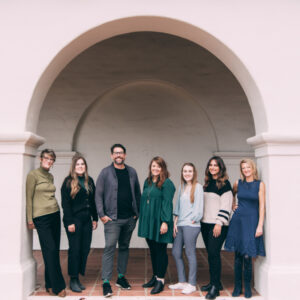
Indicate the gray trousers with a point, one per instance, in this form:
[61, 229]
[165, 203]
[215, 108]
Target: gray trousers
[116, 231]
[186, 236]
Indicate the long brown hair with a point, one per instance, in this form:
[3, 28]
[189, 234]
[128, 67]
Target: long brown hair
[75, 187]
[164, 173]
[194, 180]
[222, 175]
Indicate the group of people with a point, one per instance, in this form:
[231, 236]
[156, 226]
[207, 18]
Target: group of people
[220, 212]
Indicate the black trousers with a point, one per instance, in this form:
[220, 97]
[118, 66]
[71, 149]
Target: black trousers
[79, 243]
[213, 247]
[48, 229]
[159, 257]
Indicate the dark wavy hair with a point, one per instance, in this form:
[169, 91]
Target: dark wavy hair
[222, 175]
[164, 174]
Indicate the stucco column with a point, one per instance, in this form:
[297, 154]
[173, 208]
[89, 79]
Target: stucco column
[17, 266]
[277, 276]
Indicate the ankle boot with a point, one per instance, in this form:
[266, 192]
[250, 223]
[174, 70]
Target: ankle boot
[213, 293]
[238, 267]
[74, 285]
[80, 284]
[150, 283]
[247, 276]
[207, 287]
[158, 287]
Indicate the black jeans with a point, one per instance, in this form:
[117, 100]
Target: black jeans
[159, 257]
[48, 229]
[79, 243]
[213, 247]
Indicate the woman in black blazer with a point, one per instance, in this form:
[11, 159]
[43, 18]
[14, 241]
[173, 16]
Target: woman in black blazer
[80, 218]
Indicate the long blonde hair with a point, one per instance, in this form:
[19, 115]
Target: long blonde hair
[252, 164]
[75, 187]
[194, 180]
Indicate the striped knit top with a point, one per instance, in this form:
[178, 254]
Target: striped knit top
[217, 203]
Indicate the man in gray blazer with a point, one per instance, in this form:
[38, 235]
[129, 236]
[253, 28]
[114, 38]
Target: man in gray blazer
[117, 199]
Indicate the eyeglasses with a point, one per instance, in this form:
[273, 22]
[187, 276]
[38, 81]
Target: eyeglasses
[119, 153]
[48, 158]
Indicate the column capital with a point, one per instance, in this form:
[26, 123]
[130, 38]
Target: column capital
[275, 144]
[20, 143]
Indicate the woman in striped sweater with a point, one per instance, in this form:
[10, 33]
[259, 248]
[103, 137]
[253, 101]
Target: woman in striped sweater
[214, 224]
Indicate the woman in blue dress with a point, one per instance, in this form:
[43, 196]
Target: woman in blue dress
[245, 234]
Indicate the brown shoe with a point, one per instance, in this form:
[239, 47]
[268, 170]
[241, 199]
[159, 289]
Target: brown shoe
[49, 290]
[62, 293]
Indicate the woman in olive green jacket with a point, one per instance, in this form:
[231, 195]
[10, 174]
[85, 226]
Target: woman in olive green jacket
[156, 220]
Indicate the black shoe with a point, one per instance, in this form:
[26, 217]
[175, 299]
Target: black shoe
[206, 288]
[107, 291]
[150, 283]
[74, 285]
[123, 283]
[158, 287]
[80, 284]
[213, 293]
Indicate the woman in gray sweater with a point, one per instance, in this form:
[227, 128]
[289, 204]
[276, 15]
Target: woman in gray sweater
[188, 212]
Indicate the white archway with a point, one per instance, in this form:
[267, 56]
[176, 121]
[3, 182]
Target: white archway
[155, 24]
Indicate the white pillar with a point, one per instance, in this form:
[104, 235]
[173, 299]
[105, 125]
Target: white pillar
[277, 276]
[17, 266]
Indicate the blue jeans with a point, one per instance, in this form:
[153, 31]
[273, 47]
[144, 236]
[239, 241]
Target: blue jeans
[116, 231]
[186, 236]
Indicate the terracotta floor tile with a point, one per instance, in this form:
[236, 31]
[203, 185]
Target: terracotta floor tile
[137, 275]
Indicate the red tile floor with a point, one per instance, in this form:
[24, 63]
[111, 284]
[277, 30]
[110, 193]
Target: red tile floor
[139, 271]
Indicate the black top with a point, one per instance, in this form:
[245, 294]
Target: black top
[82, 201]
[212, 187]
[124, 196]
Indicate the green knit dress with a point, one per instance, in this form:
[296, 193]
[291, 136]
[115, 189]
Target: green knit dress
[157, 207]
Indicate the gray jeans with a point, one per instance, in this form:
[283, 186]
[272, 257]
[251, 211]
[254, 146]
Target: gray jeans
[116, 231]
[186, 236]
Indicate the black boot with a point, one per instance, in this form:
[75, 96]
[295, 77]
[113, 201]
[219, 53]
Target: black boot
[238, 267]
[80, 284]
[213, 293]
[206, 288]
[247, 276]
[150, 283]
[158, 287]
[74, 285]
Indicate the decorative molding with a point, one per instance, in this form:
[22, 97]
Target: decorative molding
[20, 143]
[274, 138]
[234, 155]
[275, 144]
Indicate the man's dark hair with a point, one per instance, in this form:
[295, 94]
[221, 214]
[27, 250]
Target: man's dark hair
[117, 146]
[50, 152]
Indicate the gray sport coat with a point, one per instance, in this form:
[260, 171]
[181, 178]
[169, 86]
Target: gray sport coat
[107, 192]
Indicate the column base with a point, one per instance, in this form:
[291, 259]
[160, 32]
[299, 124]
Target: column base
[18, 281]
[277, 282]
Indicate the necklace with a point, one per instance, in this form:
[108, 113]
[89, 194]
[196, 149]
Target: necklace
[149, 192]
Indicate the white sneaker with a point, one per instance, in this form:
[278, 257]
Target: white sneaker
[178, 286]
[188, 289]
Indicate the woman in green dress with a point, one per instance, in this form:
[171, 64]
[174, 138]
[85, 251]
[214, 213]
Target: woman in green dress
[156, 220]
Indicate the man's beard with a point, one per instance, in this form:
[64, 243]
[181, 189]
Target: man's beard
[121, 162]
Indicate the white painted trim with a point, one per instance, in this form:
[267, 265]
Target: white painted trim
[275, 144]
[20, 143]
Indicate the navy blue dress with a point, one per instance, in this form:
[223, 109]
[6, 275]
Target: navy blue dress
[242, 227]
